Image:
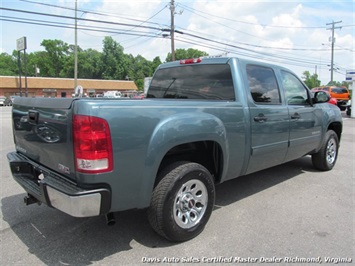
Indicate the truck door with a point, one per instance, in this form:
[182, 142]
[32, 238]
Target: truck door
[268, 119]
[305, 120]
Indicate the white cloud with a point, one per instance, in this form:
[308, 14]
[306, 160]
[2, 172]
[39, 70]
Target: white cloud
[296, 25]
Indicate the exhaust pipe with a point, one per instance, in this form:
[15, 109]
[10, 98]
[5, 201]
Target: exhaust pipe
[110, 219]
[29, 199]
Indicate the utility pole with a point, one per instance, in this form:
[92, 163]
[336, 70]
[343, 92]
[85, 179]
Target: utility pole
[25, 62]
[172, 29]
[76, 48]
[333, 41]
[19, 71]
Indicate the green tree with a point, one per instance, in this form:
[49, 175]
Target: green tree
[88, 65]
[138, 69]
[140, 84]
[310, 80]
[29, 62]
[8, 65]
[113, 60]
[90, 61]
[184, 54]
[156, 62]
[41, 61]
[338, 83]
[54, 58]
[112, 63]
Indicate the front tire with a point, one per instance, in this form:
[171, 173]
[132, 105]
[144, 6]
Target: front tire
[326, 157]
[182, 201]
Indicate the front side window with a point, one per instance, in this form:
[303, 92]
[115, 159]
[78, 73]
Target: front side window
[296, 93]
[213, 82]
[263, 85]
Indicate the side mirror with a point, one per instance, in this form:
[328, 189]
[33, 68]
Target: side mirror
[321, 97]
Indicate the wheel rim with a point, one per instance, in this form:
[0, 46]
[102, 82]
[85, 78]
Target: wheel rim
[331, 151]
[190, 203]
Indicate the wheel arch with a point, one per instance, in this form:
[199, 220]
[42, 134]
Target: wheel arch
[337, 127]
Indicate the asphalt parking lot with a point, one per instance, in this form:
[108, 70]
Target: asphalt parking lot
[289, 214]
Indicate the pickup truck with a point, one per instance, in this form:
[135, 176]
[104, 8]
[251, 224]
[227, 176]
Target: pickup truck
[204, 121]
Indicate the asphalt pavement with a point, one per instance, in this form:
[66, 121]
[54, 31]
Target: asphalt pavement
[287, 215]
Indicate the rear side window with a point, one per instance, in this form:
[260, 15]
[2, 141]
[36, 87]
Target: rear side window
[213, 82]
[263, 85]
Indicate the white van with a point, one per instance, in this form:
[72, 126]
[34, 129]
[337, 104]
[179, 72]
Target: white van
[112, 94]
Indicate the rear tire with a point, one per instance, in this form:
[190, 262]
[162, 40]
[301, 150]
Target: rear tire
[326, 157]
[182, 202]
[348, 113]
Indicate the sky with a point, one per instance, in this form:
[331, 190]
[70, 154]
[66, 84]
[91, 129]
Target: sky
[294, 34]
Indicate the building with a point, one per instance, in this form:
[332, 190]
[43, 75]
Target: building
[61, 87]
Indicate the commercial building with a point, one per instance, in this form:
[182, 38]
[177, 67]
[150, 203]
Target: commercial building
[61, 87]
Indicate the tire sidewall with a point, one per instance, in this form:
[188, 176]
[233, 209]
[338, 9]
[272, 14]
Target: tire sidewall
[330, 136]
[172, 229]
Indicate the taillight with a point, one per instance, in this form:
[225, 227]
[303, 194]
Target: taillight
[92, 144]
[190, 61]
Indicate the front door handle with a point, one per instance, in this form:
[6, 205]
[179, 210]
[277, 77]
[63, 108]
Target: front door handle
[260, 118]
[295, 116]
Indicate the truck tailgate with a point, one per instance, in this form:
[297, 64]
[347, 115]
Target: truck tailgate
[42, 132]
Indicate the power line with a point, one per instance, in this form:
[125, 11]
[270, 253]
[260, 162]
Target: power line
[259, 56]
[221, 24]
[94, 12]
[215, 44]
[249, 53]
[81, 19]
[70, 26]
[272, 47]
[239, 47]
[86, 11]
[249, 23]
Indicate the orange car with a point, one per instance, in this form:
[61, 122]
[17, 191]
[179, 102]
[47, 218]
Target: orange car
[341, 94]
[332, 100]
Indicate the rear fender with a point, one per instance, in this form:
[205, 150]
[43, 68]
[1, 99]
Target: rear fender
[181, 129]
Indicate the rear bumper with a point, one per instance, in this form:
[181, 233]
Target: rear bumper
[56, 191]
[342, 102]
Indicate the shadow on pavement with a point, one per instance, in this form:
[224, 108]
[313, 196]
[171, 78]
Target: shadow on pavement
[57, 239]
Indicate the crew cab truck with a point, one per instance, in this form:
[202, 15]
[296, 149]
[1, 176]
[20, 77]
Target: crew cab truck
[204, 122]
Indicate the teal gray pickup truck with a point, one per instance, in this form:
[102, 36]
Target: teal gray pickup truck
[204, 121]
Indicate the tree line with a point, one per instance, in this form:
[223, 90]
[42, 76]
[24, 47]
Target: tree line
[57, 61]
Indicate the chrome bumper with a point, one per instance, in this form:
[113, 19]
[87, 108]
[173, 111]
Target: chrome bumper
[58, 192]
[77, 206]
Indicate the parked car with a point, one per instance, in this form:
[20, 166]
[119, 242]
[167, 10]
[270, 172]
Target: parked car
[342, 94]
[139, 96]
[8, 102]
[332, 100]
[2, 100]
